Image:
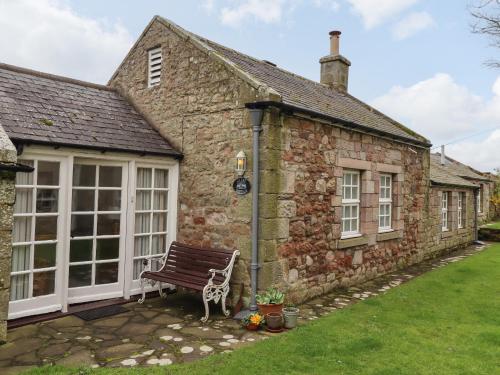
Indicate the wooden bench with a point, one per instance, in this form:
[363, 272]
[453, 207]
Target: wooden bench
[201, 269]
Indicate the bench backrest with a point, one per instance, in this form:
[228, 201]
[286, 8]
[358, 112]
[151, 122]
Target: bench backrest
[196, 261]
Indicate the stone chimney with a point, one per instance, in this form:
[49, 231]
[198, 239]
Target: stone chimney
[335, 67]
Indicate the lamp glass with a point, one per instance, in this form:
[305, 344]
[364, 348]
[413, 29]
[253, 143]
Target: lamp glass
[241, 163]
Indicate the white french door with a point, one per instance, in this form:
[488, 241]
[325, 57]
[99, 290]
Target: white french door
[84, 225]
[153, 218]
[97, 233]
[37, 248]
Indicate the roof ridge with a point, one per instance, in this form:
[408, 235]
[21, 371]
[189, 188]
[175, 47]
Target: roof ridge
[318, 84]
[54, 77]
[265, 62]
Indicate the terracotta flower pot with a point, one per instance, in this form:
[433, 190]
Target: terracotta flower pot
[274, 320]
[252, 327]
[265, 309]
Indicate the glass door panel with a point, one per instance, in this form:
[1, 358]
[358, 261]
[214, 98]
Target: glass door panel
[35, 266]
[151, 213]
[95, 254]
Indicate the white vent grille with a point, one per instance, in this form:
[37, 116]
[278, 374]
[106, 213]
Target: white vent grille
[154, 67]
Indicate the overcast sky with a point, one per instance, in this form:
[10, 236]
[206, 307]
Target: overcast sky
[415, 60]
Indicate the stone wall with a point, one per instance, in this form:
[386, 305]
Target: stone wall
[199, 107]
[314, 155]
[7, 195]
[435, 239]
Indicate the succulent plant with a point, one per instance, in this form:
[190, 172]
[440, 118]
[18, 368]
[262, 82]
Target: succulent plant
[272, 296]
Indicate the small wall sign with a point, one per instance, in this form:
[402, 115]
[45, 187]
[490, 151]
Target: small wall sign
[241, 186]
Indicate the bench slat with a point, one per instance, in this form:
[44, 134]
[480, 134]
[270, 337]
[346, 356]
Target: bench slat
[208, 249]
[201, 254]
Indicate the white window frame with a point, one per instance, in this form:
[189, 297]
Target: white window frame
[352, 202]
[385, 202]
[155, 60]
[479, 199]
[444, 210]
[461, 210]
[66, 156]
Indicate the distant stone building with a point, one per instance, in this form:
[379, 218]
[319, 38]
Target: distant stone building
[346, 193]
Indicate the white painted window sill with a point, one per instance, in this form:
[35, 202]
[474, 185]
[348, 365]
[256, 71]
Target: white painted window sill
[388, 230]
[349, 236]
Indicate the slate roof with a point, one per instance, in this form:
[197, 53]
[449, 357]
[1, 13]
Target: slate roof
[453, 172]
[458, 169]
[306, 94]
[46, 109]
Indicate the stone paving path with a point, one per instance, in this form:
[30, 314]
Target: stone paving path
[162, 332]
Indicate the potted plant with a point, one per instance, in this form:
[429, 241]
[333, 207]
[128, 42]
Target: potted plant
[253, 321]
[270, 302]
[290, 314]
[274, 322]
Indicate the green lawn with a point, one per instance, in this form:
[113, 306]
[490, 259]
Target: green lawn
[444, 322]
[495, 225]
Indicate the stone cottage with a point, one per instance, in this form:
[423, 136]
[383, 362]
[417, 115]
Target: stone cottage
[120, 171]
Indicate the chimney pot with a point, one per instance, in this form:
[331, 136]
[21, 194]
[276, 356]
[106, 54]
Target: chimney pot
[443, 156]
[335, 42]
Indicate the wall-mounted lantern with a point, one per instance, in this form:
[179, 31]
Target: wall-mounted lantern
[241, 185]
[241, 163]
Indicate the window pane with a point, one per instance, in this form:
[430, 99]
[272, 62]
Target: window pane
[110, 200]
[141, 246]
[45, 255]
[22, 229]
[159, 222]
[43, 283]
[84, 175]
[24, 201]
[354, 225]
[158, 244]
[80, 250]
[143, 200]
[346, 211]
[80, 275]
[83, 200]
[48, 173]
[82, 225]
[46, 228]
[110, 176]
[20, 258]
[24, 178]
[354, 179]
[107, 248]
[161, 178]
[160, 200]
[143, 177]
[354, 211]
[347, 179]
[106, 273]
[347, 193]
[138, 268]
[46, 200]
[108, 224]
[142, 223]
[354, 193]
[19, 287]
[346, 226]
